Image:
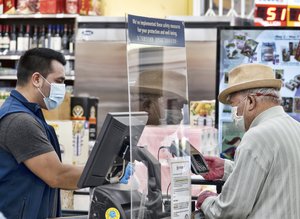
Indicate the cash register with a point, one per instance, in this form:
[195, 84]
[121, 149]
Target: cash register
[115, 146]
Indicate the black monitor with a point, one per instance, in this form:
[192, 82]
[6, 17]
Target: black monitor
[111, 144]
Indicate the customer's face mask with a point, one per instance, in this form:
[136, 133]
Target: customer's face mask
[56, 96]
[239, 121]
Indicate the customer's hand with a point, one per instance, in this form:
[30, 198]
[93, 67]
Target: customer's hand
[216, 168]
[203, 195]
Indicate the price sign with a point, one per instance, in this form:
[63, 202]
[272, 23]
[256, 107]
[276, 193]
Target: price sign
[270, 15]
[293, 15]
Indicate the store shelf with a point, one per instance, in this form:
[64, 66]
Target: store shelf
[9, 57]
[8, 77]
[17, 57]
[70, 78]
[69, 57]
[30, 16]
[14, 77]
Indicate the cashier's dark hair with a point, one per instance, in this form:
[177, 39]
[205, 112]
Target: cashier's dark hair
[37, 60]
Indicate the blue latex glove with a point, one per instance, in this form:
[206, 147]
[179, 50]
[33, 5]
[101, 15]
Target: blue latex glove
[129, 170]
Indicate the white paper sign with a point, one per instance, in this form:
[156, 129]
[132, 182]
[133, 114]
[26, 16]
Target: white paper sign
[180, 188]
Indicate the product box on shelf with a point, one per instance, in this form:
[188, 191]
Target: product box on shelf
[202, 113]
[9, 6]
[61, 6]
[27, 6]
[73, 140]
[71, 6]
[95, 7]
[80, 142]
[92, 117]
[48, 6]
[85, 108]
[83, 7]
[63, 130]
[79, 108]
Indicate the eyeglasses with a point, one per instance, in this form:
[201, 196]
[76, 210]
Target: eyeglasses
[266, 95]
[257, 95]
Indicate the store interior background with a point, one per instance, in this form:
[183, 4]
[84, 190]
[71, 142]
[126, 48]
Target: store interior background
[100, 61]
[109, 81]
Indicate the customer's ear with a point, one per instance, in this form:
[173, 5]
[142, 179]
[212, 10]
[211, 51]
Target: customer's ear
[252, 102]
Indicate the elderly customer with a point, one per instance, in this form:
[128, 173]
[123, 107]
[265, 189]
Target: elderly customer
[264, 179]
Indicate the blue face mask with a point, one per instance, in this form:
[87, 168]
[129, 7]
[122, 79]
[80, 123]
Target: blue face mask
[56, 96]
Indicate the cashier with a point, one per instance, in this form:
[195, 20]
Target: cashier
[263, 180]
[31, 171]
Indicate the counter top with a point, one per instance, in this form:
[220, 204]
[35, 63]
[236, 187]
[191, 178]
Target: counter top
[73, 217]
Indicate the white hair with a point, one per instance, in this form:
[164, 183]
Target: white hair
[266, 94]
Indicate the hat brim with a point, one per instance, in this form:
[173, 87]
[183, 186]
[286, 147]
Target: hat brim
[265, 83]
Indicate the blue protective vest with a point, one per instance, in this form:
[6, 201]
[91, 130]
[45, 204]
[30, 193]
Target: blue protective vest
[23, 194]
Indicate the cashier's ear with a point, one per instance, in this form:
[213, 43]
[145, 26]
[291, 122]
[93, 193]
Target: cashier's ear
[37, 80]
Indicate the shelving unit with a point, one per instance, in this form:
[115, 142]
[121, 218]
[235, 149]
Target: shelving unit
[37, 15]
[17, 57]
[14, 77]
[36, 23]
[38, 18]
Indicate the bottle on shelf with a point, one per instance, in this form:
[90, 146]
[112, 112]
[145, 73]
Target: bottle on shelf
[42, 38]
[26, 38]
[52, 37]
[34, 38]
[64, 39]
[5, 40]
[13, 39]
[48, 37]
[71, 40]
[1, 39]
[20, 39]
[57, 38]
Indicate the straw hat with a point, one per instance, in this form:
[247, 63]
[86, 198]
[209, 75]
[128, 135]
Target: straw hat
[248, 76]
[161, 83]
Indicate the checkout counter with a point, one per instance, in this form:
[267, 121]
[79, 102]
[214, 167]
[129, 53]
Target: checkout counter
[106, 168]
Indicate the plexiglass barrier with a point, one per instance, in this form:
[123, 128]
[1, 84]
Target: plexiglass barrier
[157, 85]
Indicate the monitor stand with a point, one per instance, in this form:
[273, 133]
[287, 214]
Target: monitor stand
[116, 199]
